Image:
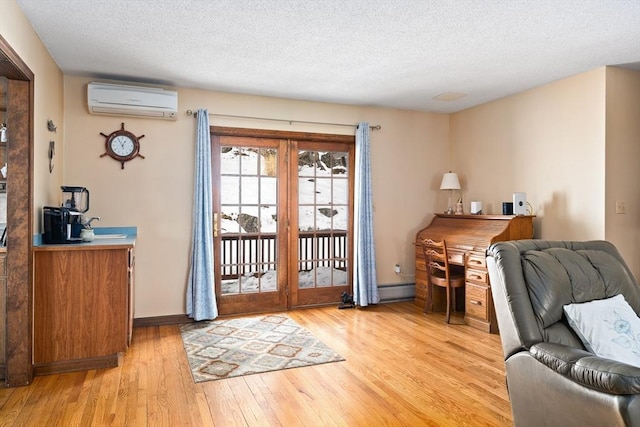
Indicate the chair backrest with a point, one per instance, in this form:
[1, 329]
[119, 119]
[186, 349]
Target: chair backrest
[531, 281]
[436, 258]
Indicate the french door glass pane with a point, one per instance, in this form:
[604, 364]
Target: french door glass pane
[340, 195]
[249, 193]
[229, 186]
[269, 191]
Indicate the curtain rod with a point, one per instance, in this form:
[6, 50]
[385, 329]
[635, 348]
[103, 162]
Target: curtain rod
[195, 113]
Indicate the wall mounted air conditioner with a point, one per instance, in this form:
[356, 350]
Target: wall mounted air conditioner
[133, 101]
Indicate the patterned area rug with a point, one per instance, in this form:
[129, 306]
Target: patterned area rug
[242, 346]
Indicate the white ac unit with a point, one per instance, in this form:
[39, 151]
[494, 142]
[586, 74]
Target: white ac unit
[136, 101]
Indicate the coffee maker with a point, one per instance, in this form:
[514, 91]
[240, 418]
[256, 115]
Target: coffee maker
[63, 224]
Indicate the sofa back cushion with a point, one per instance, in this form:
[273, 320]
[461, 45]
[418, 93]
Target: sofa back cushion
[559, 276]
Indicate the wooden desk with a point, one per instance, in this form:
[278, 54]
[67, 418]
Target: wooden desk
[468, 237]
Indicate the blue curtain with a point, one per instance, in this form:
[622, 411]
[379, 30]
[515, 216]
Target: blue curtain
[201, 295]
[365, 286]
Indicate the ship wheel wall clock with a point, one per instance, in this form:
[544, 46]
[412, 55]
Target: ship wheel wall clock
[122, 145]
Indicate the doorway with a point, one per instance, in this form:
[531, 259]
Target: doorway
[15, 288]
[283, 204]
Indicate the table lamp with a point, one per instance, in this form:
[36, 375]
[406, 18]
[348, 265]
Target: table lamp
[450, 182]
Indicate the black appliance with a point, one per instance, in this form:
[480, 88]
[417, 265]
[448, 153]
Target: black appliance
[63, 224]
[58, 225]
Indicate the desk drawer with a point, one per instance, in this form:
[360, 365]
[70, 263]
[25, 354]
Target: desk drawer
[476, 301]
[480, 276]
[477, 260]
[455, 257]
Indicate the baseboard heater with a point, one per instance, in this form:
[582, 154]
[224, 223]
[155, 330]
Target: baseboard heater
[396, 293]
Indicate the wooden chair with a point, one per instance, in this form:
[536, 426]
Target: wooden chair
[439, 273]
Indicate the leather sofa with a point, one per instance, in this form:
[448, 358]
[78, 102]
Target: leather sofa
[551, 378]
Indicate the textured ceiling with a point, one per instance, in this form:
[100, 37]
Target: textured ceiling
[391, 53]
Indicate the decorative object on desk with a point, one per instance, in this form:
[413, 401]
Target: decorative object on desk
[52, 151]
[122, 145]
[450, 182]
[459, 206]
[519, 203]
[507, 208]
[229, 348]
[476, 208]
[347, 301]
[3, 133]
[51, 127]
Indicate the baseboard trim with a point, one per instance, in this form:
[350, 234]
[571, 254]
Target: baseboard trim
[175, 319]
[396, 293]
[64, 366]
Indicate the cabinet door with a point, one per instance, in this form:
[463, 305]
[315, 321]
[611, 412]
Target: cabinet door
[80, 304]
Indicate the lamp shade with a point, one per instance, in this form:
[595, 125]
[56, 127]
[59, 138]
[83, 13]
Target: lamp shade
[450, 181]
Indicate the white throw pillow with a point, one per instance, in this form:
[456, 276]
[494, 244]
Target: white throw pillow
[608, 328]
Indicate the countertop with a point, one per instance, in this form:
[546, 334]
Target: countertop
[120, 243]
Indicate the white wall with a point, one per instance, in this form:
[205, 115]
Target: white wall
[155, 194]
[547, 142]
[623, 163]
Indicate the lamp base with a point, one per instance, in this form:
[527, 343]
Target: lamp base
[449, 211]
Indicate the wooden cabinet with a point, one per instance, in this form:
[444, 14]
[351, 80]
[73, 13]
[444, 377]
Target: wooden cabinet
[83, 306]
[468, 237]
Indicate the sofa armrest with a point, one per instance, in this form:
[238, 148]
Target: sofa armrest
[585, 368]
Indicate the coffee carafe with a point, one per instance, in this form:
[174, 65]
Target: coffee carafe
[76, 200]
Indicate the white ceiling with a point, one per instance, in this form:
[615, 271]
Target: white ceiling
[389, 53]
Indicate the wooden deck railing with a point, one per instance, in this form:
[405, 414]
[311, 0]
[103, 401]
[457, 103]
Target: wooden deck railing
[251, 253]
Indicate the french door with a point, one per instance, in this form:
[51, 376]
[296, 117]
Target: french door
[321, 211]
[283, 207]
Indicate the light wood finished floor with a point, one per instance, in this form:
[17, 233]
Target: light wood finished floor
[402, 368]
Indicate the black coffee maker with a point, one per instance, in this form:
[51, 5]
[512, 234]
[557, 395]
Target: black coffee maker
[63, 224]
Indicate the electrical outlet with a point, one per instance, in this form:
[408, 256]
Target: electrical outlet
[621, 207]
[396, 268]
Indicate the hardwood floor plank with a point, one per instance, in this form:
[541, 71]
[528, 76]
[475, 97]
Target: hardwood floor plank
[254, 414]
[286, 410]
[13, 403]
[224, 408]
[40, 403]
[401, 368]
